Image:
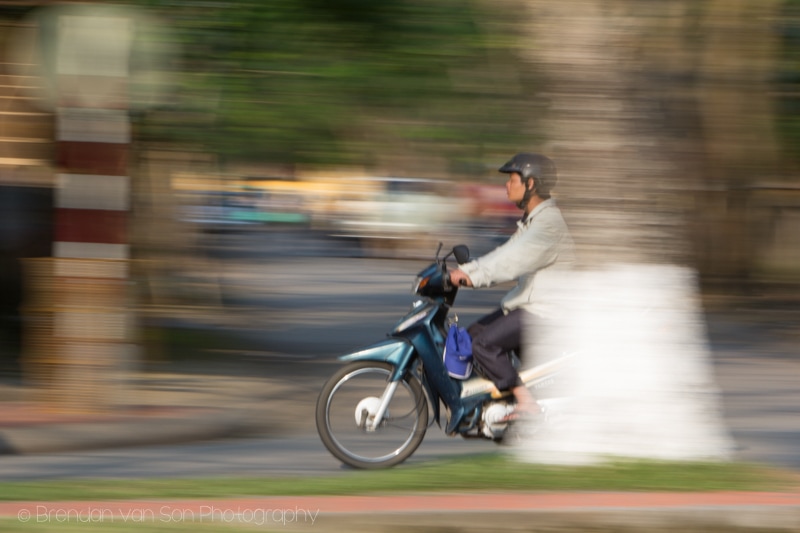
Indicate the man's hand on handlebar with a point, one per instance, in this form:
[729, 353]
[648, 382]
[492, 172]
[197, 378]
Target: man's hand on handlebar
[459, 277]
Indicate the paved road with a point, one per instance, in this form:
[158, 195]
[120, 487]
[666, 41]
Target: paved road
[298, 454]
[297, 310]
[762, 419]
[319, 301]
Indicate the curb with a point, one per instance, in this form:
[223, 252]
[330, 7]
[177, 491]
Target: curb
[179, 426]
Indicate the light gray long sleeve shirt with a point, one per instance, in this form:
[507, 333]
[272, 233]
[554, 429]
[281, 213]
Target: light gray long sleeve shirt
[536, 255]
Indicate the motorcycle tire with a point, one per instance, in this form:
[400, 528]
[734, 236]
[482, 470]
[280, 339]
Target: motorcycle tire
[347, 400]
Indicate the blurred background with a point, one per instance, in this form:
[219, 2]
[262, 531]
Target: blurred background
[255, 130]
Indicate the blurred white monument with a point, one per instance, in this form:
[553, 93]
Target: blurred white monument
[643, 386]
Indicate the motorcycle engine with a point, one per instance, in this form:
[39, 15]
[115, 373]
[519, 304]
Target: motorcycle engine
[492, 425]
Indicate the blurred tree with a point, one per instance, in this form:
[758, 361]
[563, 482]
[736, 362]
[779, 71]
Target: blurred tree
[736, 63]
[788, 81]
[346, 81]
[663, 119]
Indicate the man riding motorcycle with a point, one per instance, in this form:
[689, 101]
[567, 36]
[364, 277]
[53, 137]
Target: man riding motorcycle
[541, 246]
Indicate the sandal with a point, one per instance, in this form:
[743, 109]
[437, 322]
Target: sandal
[522, 414]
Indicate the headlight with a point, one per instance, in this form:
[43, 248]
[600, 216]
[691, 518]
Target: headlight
[419, 283]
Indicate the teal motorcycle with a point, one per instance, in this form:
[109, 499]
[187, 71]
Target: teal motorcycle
[374, 411]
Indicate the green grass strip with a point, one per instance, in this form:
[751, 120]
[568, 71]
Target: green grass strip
[475, 473]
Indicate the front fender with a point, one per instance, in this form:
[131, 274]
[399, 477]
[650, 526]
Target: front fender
[399, 353]
[396, 352]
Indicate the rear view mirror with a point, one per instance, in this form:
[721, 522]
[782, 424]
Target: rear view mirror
[462, 254]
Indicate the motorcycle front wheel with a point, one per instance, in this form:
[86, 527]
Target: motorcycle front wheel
[347, 405]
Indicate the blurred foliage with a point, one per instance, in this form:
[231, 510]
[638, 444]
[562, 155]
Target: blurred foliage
[336, 82]
[788, 80]
[352, 81]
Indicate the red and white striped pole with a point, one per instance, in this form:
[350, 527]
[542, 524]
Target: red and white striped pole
[91, 336]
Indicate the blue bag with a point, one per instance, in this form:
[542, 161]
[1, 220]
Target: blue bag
[458, 352]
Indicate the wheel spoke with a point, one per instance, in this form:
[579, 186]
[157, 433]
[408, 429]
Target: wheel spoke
[357, 389]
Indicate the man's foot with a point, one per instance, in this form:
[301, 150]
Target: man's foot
[527, 407]
[529, 411]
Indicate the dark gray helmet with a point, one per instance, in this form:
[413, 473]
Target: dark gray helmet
[540, 168]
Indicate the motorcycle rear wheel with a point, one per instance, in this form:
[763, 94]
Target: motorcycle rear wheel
[350, 396]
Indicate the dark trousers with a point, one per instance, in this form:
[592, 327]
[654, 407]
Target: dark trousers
[493, 336]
